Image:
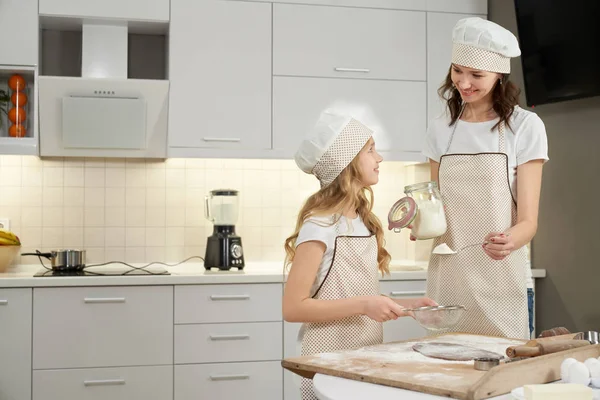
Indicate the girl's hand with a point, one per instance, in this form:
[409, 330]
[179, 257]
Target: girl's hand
[412, 238]
[420, 302]
[382, 308]
[498, 245]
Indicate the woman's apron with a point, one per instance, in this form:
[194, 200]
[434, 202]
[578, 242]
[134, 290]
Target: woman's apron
[353, 272]
[476, 191]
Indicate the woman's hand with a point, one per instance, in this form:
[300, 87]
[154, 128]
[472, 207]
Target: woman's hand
[382, 308]
[415, 303]
[498, 245]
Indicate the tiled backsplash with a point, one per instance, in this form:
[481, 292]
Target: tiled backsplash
[144, 210]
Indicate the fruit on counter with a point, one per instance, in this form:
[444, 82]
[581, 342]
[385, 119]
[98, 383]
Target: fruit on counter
[7, 238]
[17, 131]
[16, 82]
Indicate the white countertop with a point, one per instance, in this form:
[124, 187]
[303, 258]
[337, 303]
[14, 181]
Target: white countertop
[190, 273]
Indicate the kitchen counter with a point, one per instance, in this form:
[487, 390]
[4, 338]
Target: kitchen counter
[189, 274]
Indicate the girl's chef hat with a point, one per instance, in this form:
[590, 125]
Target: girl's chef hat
[333, 143]
[483, 45]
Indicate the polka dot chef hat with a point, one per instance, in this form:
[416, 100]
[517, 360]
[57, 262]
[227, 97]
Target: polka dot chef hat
[331, 145]
[484, 45]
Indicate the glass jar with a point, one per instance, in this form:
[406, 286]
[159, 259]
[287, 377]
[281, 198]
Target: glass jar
[422, 208]
[430, 219]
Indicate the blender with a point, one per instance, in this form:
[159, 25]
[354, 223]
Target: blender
[223, 248]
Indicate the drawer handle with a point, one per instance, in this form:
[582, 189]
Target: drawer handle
[408, 293]
[230, 297]
[229, 377]
[365, 70]
[104, 382]
[104, 300]
[3, 302]
[229, 337]
[213, 139]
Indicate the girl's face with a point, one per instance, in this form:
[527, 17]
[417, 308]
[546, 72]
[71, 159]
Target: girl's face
[368, 164]
[473, 84]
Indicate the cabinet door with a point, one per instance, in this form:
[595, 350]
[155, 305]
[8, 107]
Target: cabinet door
[405, 328]
[19, 38]
[146, 10]
[220, 75]
[15, 344]
[291, 348]
[395, 109]
[439, 56]
[348, 42]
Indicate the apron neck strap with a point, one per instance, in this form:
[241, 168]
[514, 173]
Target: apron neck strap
[501, 130]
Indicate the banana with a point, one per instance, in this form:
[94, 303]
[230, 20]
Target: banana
[8, 238]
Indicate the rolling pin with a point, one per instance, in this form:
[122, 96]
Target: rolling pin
[534, 348]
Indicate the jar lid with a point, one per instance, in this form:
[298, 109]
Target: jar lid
[402, 213]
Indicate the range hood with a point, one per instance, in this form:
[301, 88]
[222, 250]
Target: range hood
[102, 113]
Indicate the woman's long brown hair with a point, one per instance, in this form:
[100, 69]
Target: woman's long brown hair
[345, 192]
[505, 97]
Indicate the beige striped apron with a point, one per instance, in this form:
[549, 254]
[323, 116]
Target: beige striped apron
[353, 272]
[476, 191]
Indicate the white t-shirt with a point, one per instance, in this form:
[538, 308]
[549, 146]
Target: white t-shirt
[321, 229]
[525, 140]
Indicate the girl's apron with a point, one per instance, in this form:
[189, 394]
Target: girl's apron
[353, 272]
[476, 191]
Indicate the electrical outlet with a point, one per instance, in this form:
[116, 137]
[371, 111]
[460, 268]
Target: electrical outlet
[5, 224]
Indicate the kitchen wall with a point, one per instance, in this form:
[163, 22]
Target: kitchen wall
[144, 210]
[568, 232]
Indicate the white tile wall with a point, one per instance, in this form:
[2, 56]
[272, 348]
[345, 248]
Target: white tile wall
[141, 210]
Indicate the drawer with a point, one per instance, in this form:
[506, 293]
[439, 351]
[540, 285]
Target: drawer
[209, 343]
[400, 289]
[148, 383]
[15, 344]
[256, 380]
[102, 326]
[348, 42]
[228, 303]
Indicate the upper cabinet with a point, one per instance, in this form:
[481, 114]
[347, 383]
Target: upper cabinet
[19, 39]
[143, 10]
[220, 75]
[348, 42]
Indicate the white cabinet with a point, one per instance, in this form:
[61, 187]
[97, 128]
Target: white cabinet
[141, 10]
[148, 383]
[19, 38]
[404, 328]
[396, 110]
[348, 42]
[15, 343]
[220, 74]
[291, 348]
[102, 326]
[439, 56]
[229, 381]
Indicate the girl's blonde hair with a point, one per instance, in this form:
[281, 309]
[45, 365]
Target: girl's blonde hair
[345, 192]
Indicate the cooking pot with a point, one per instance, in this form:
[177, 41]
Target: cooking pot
[64, 259]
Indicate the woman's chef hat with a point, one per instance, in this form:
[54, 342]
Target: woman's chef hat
[332, 144]
[483, 45]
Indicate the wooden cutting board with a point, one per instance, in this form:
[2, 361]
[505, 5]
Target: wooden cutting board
[398, 365]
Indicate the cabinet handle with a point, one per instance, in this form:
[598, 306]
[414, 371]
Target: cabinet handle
[104, 382]
[104, 300]
[228, 377]
[229, 337]
[408, 293]
[365, 70]
[213, 139]
[230, 297]
[3, 302]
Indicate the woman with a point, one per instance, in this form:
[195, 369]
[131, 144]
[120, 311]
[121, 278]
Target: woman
[486, 154]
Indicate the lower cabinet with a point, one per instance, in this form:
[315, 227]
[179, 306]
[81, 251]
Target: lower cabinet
[229, 381]
[124, 383]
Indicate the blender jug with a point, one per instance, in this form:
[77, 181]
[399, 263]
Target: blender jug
[222, 207]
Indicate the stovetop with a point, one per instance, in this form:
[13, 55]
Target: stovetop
[98, 272]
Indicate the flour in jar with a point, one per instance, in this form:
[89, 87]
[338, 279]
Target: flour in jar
[430, 221]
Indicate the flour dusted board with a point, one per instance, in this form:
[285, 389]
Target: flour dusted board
[398, 365]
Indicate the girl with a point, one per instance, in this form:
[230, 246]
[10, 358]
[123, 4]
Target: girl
[337, 249]
[487, 156]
